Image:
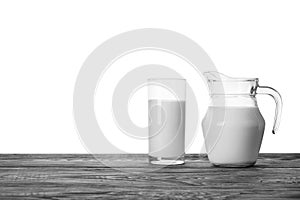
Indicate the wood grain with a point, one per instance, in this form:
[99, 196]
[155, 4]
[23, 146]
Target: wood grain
[81, 176]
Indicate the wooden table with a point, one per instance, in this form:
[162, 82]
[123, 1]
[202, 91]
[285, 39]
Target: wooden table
[81, 176]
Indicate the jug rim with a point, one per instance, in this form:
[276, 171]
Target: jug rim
[224, 78]
[236, 80]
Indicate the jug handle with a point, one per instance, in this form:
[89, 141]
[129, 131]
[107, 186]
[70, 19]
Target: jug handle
[278, 100]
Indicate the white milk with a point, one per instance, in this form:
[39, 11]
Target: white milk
[166, 128]
[233, 136]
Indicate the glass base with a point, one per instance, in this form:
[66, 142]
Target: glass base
[166, 160]
[237, 165]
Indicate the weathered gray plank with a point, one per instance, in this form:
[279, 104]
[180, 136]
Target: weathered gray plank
[82, 176]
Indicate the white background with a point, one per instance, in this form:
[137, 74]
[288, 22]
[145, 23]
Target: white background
[44, 43]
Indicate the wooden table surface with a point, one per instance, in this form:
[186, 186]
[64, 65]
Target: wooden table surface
[81, 176]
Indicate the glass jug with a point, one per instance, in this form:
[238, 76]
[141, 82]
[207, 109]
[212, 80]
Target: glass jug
[233, 126]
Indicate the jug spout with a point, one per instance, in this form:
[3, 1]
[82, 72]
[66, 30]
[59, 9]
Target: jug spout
[216, 76]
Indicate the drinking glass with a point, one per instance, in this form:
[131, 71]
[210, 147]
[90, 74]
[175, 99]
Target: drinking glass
[166, 110]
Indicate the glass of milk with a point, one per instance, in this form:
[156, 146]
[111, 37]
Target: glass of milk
[166, 124]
